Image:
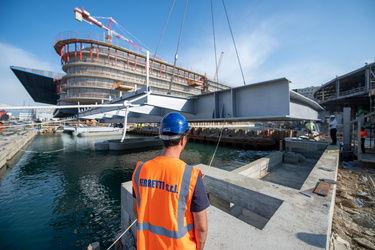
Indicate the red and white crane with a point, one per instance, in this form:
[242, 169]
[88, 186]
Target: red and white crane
[83, 15]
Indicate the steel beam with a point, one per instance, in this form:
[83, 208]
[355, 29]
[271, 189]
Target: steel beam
[270, 100]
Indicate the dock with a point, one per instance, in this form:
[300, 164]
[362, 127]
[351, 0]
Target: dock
[11, 143]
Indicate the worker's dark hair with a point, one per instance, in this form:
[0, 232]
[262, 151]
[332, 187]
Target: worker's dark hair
[174, 142]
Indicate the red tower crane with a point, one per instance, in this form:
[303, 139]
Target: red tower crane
[83, 15]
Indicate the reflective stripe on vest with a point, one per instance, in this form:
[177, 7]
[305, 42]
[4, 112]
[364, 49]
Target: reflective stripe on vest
[136, 178]
[163, 231]
[184, 191]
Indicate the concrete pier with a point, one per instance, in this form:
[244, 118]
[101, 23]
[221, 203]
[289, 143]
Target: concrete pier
[250, 212]
[12, 142]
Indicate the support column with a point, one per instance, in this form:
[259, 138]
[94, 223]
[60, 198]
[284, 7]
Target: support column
[337, 88]
[347, 136]
[371, 87]
[367, 79]
[358, 138]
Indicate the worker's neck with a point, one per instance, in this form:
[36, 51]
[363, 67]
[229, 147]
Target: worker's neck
[172, 152]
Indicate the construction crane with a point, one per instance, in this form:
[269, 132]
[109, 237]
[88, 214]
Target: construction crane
[83, 15]
[218, 66]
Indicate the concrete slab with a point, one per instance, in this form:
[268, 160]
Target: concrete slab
[291, 175]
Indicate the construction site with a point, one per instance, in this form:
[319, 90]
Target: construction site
[307, 195]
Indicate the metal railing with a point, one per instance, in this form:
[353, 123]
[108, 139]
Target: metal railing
[352, 91]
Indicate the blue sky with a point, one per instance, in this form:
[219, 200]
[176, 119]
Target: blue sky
[307, 41]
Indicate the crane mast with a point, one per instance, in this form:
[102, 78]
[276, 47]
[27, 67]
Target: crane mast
[218, 66]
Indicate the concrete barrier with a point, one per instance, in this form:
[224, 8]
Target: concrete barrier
[259, 168]
[127, 215]
[308, 149]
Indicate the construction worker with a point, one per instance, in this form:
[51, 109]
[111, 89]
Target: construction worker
[310, 126]
[364, 135]
[332, 124]
[170, 200]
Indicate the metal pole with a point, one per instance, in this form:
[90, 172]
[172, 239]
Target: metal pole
[347, 136]
[125, 123]
[147, 68]
[359, 142]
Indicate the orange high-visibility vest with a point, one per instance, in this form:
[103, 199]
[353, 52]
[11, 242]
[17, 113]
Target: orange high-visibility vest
[164, 189]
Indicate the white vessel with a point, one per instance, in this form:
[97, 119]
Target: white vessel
[93, 131]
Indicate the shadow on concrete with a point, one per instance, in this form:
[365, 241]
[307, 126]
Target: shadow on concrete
[312, 239]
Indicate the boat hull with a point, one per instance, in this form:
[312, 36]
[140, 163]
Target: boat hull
[129, 143]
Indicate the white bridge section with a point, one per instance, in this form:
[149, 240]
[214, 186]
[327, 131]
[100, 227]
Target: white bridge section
[270, 100]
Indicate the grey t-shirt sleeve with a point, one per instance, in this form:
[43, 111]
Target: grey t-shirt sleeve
[200, 200]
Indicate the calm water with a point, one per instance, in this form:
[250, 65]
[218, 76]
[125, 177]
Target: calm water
[60, 194]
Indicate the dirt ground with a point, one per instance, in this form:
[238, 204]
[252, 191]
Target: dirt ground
[353, 225]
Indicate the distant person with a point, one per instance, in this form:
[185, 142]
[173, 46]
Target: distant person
[332, 124]
[310, 126]
[170, 200]
[364, 135]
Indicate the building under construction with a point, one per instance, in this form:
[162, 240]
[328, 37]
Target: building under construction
[98, 71]
[355, 89]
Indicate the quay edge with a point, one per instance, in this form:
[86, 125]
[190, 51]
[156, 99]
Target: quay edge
[13, 144]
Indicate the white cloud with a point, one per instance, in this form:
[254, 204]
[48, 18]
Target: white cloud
[274, 48]
[12, 91]
[254, 48]
[305, 73]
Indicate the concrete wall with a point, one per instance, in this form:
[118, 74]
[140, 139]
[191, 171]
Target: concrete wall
[255, 216]
[127, 215]
[308, 149]
[259, 168]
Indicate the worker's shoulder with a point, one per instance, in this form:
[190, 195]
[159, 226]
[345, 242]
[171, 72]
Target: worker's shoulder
[166, 162]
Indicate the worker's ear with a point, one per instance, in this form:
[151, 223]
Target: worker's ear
[183, 140]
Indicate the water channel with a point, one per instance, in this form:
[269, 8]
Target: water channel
[59, 193]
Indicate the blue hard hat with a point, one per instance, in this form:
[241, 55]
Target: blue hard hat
[174, 123]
